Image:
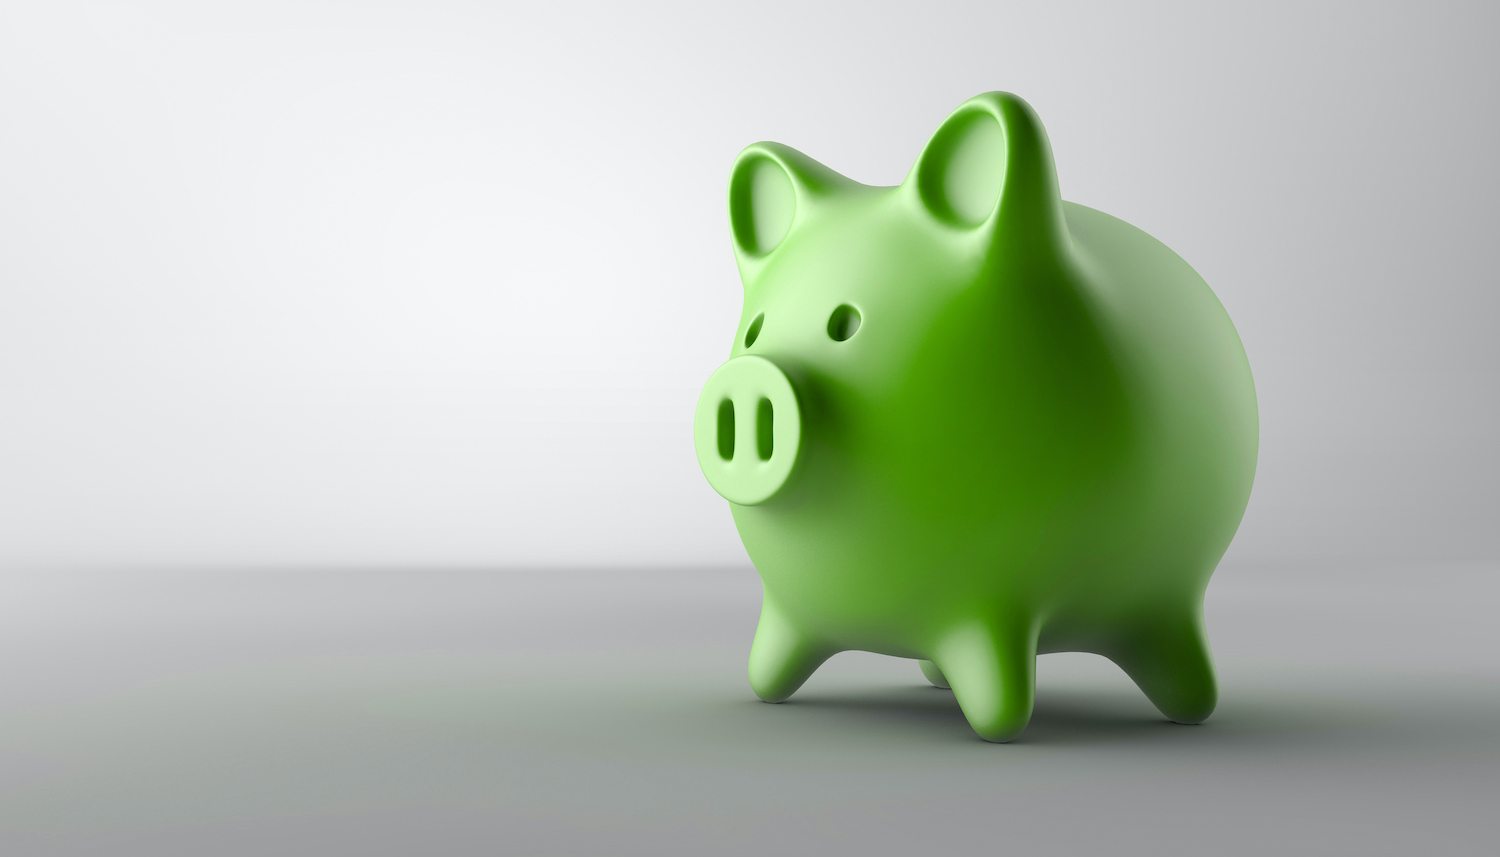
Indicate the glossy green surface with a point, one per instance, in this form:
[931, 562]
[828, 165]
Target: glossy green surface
[1019, 425]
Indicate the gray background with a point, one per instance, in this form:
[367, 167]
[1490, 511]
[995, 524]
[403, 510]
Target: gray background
[607, 712]
[319, 322]
[427, 283]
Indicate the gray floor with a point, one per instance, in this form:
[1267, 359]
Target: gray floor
[596, 713]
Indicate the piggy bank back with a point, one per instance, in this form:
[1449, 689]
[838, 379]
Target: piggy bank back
[966, 422]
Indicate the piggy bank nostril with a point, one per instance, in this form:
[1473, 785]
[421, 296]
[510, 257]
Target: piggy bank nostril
[726, 430]
[765, 437]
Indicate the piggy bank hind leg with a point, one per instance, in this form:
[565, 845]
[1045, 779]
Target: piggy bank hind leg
[1169, 660]
[934, 674]
[992, 670]
[783, 655]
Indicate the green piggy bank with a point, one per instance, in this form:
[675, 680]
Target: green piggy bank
[968, 423]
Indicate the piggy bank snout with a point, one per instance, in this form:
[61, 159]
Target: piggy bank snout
[748, 430]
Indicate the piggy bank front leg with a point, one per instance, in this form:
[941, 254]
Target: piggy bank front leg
[991, 667]
[783, 655]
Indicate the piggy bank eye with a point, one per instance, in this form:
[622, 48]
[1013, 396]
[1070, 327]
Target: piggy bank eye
[754, 332]
[843, 323]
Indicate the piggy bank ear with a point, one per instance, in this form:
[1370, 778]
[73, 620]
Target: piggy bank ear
[773, 189]
[989, 169]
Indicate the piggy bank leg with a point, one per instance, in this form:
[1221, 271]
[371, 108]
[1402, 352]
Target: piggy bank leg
[934, 674]
[1170, 662]
[992, 670]
[782, 656]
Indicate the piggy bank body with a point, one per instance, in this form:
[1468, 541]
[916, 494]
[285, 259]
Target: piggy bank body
[966, 422]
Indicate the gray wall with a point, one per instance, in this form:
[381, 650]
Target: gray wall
[437, 284]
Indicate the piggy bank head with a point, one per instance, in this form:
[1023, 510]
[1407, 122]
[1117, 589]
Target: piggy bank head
[890, 329]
